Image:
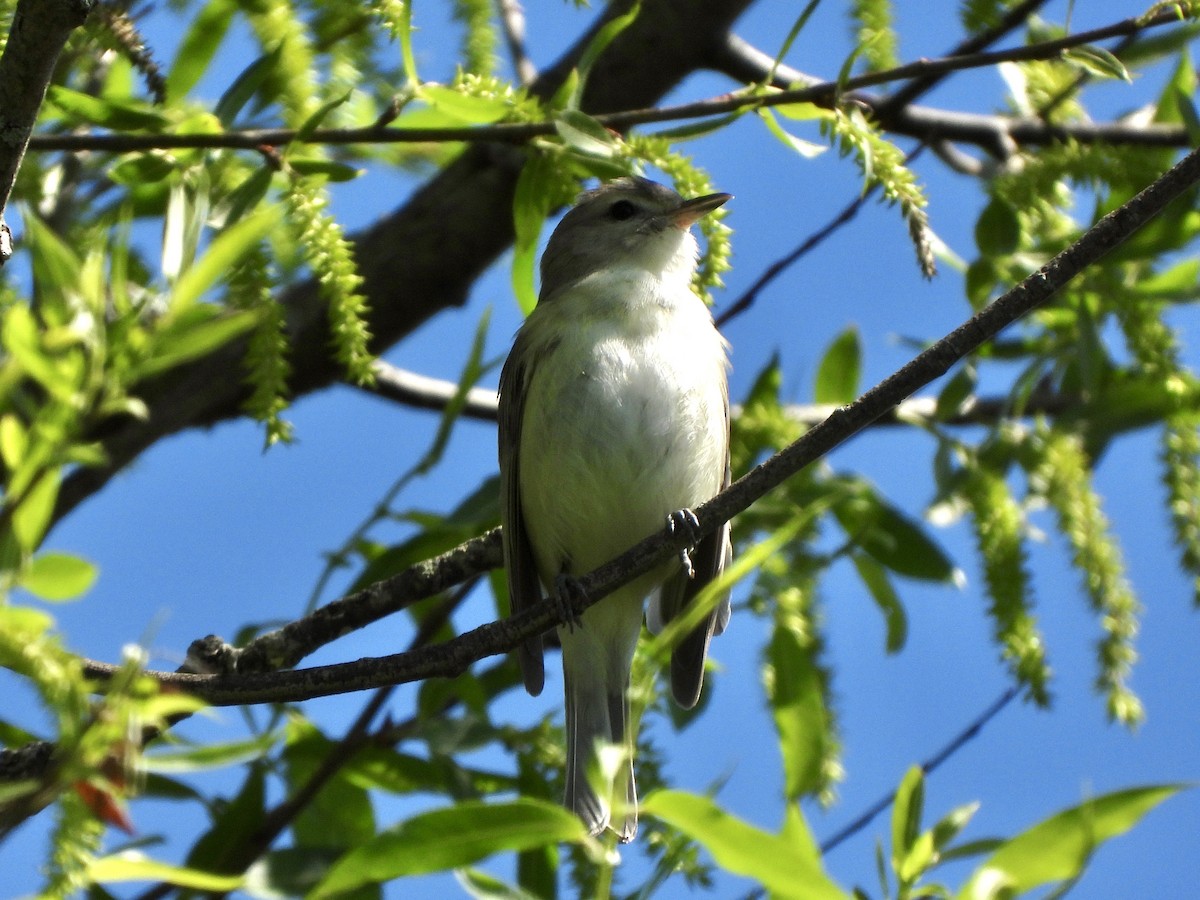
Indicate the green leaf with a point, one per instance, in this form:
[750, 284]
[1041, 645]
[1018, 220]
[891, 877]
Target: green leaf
[329, 169]
[210, 756]
[806, 149]
[840, 369]
[585, 134]
[223, 254]
[142, 168]
[199, 46]
[462, 108]
[875, 578]
[998, 229]
[1097, 61]
[531, 205]
[313, 122]
[133, 866]
[893, 539]
[955, 394]
[234, 823]
[245, 86]
[55, 263]
[907, 809]
[482, 886]
[14, 440]
[247, 195]
[190, 335]
[799, 712]
[107, 113]
[340, 816]
[450, 838]
[1058, 849]
[781, 866]
[605, 36]
[58, 576]
[32, 515]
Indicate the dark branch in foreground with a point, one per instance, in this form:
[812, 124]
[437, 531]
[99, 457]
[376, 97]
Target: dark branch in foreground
[40, 29]
[456, 656]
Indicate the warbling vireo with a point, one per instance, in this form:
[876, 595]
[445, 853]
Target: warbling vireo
[614, 421]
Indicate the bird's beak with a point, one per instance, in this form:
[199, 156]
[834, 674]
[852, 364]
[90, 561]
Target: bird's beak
[691, 211]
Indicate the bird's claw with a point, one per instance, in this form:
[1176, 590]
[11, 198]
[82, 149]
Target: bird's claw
[685, 521]
[566, 596]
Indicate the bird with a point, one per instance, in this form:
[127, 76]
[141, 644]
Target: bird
[613, 424]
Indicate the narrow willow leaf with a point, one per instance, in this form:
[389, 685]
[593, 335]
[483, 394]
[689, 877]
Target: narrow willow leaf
[893, 539]
[451, 838]
[907, 809]
[840, 369]
[210, 756]
[794, 688]
[314, 121]
[222, 255]
[190, 335]
[245, 86]
[142, 168]
[875, 578]
[531, 205]
[13, 441]
[953, 397]
[998, 230]
[807, 149]
[105, 112]
[793, 33]
[199, 46]
[463, 108]
[585, 134]
[31, 517]
[133, 866]
[327, 168]
[1058, 849]
[605, 36]
[778, 865]
[58, 576]
[1097, 61]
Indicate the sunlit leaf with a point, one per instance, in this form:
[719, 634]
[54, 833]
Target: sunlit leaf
[807, 149]
[781, 866]
[839, 372]
[584, 133]
[204, 35]
[58, 576]
[133, 866]
[1097, 61]
[451, 838]
[32, 515]
[1058, 849]
[225, 251]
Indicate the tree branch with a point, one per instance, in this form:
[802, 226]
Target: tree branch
[455, 656]
[40, 29]
[962, 126]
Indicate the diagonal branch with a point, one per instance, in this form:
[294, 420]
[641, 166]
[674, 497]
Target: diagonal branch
[456, 656]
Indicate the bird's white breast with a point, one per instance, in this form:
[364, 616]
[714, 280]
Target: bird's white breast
[624, 419]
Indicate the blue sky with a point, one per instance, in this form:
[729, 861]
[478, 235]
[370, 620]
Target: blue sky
[205, 533]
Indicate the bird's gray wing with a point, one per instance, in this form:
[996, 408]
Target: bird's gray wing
[524, 588]
[709, 559]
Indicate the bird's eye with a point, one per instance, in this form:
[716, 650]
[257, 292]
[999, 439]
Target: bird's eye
[621, 210]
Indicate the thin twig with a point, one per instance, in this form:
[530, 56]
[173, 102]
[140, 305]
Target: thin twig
[953, 746]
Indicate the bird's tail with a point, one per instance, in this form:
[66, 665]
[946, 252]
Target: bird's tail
[597, 712]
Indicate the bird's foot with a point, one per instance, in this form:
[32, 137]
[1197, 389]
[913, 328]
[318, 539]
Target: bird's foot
[684, 521]
[566, 596]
